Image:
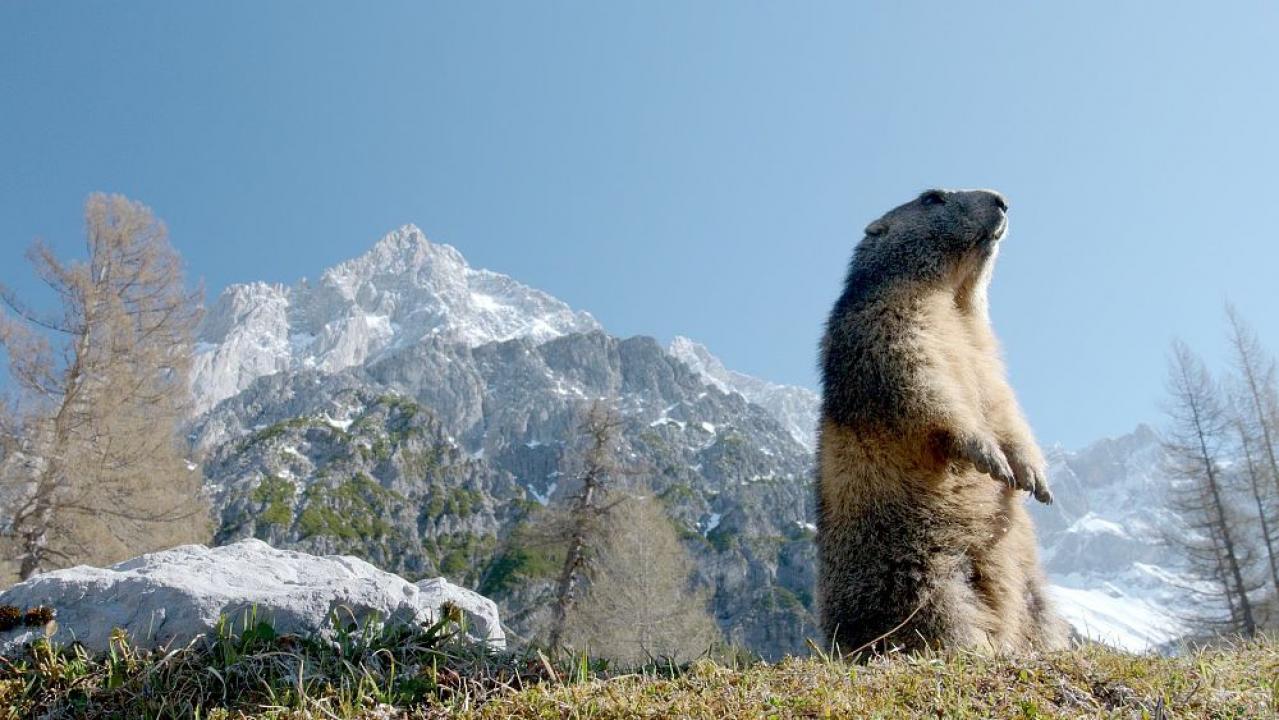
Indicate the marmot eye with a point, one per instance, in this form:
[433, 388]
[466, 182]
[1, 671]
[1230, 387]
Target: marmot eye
[932, 197]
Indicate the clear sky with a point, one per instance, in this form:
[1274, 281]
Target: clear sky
[694, 168]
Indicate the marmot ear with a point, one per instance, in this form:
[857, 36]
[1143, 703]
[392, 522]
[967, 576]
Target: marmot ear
[876, 228]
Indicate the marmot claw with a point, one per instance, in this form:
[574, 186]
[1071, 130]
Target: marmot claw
[988, 458]
[1031, 476]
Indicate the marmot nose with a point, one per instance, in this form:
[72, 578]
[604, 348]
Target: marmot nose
[1000, 202]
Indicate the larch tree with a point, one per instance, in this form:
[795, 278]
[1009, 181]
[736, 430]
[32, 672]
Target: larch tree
[581, 522]
[1256, 375]
[639, 605]
[1254, 402]
[94, 467]
[1262, 499]
[1214, 544]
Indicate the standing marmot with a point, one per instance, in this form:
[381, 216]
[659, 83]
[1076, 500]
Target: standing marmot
[922, 535]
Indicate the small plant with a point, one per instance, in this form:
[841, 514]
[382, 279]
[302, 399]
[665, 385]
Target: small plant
[450, 612]
[10, 617]
[38, 616]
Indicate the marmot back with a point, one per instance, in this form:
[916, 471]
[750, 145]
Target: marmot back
[923, 537]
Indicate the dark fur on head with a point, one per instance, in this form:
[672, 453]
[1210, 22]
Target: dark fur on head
[940, 235]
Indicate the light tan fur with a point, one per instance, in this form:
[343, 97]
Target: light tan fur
[923, 535]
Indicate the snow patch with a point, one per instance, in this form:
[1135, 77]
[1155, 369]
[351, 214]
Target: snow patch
[1112, 617]
[543, 499]
[342, 425]
[1091, 523]
[712, 522]
[668, 421]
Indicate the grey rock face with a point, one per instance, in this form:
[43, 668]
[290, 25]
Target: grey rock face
[172, 597]
[797, 408]
[1111, 512]
[404, 290]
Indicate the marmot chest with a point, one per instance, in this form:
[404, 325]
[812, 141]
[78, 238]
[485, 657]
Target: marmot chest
[963, 348]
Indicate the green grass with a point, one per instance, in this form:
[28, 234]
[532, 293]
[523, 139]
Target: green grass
[423, 672]
[248, 670]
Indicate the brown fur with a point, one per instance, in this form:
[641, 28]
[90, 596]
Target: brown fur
[923, 537]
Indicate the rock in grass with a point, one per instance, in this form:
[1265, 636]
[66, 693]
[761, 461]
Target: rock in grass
[173, 596]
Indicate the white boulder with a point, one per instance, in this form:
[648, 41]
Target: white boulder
[171, 597]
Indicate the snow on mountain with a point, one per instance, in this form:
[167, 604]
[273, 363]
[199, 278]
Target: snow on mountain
[403, 290]
[796, 407]
[1112, 617]
[1113, 577]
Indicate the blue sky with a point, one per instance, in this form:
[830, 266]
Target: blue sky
[687, 168]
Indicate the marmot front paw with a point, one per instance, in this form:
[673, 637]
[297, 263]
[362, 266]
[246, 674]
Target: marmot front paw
[986, 456]
[1030, 474]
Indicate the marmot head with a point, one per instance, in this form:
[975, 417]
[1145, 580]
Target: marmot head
[947, 236]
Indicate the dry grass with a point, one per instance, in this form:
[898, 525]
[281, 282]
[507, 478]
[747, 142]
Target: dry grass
[374, 672]
[1241, 682]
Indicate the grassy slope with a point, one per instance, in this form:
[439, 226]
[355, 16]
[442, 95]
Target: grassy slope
[1092, 682]
[425, 672]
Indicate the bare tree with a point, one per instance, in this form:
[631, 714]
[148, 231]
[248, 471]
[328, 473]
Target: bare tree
[95, 469]
[1198, 430]
[1257, 375]
[1259, 492]
[1254, 400]
[598, 429]
[639, 605]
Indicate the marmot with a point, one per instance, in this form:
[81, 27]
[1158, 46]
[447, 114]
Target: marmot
[922, 535]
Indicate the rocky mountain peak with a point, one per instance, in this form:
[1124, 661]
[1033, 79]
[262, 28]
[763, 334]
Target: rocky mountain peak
[403, 290]
[405, 255]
